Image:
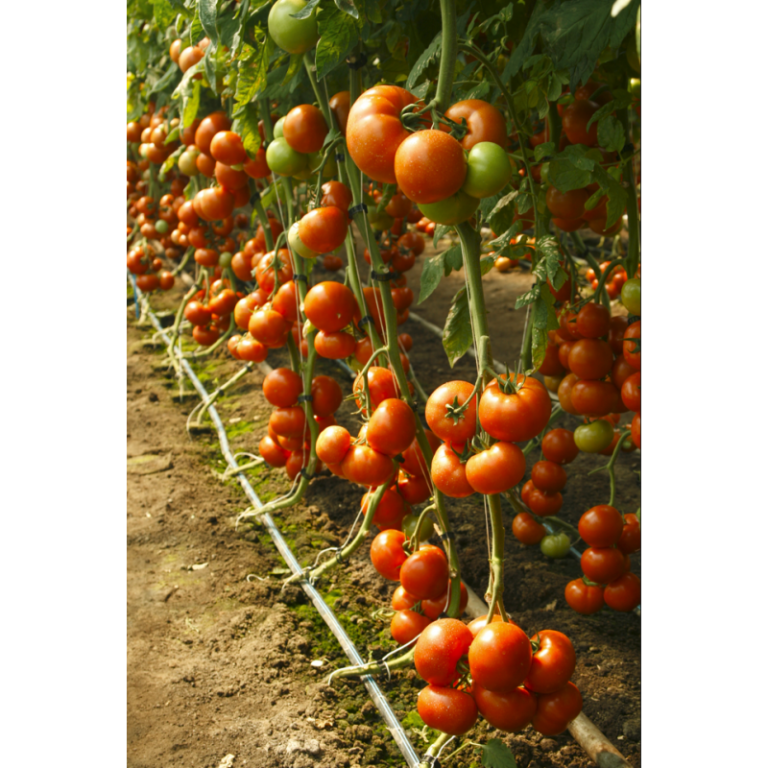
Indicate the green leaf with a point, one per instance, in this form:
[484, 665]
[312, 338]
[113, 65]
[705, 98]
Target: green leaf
[486, 264]
[457, 334]
[165, 81]
[306, 10]
[431, 274]
[249, 129]
[172, 136]
[610, 134]
[565, 176]
[441, 230]
[253, 69]
[195, 29]
[209, 64]
[480, 91]
[543, 150]
[502, 241]
[503, 211]
[227, 26]
[548, 262]
[617, 195]
[373, 11]
[171, 160]
[427, 58]
[496, 754]
[528, 297]
[164, 13]
[348, 7]
[412, 720]
[294, 65]
[544, 318]
[453, 259]
[191, 104]
[208, 10]
[338, 36]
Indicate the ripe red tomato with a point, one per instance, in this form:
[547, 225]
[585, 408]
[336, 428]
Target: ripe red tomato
[333, 444]
[544, 504]
[484, 122]
[304, 129]
[430, 166]
[392, 427]
[227, 147]
[327, 395]
[555, 710]
[381, 386]
[407, 624]
[558, 445]
[553, 662]
[339, 104]
[447, 709]
[282, 387]
[425, 573]
[548, 476]
[337, 194]
[387, 554]
[402, 601]
[602, 564]
[448, 473]
[567, 205]
[334, 346]
[439, 407]
[516, 416]
[595, 398]
[636, 429]
[208, 128]
[527, 530]
[630, 392]
[288, 422]
[500, 657]
[414, 462]
[365, 466]
[624, 593]
[630, 535]
[590, 359]
[439, 649]
[323, 229]
[510, 711]
[496, 469]
[414, 489]
[593, 321]
[272, 452]
[330, 306]
[583, 598]
[575, 119]
[374, 131]
[601, 526]
[433, 608]
[631, 347]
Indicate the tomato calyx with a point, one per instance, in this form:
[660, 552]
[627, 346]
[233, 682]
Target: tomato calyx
[590, 583]
[465, 455]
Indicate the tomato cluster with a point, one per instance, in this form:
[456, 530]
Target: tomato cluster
[494, 669]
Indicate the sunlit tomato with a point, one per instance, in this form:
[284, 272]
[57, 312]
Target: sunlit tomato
[250, 349]
[548, 476]
[413, 459]
[602, 564]
[390, 511]
[387, 554]
[406, 625]
[323, 229]
[333, 444]
[448, 473]
[197, 313]
[336, 194]
[374, 131]
[227, 147]
[439, 649]
[330, 306]
[624, 593]
[496, 469]
[446, 709]
[430, 166]
[631, 347]
[304, 128]
[267, 326]
[516, 416]
[440, 412]
[327, 395]
[583, 598]
[558, 446]
[288, 422]
[190, 56]
[402, 601]
[553, 662]
[424, 574]
[392, 427]
[334, 346]
[208, 128]
[365, 466]
[555, 710]
[527, 530]
[500, 657]
[291, 34]
[575, 119]
[381, 385]
[484, 122]
[510, 711]
[272, 452]
[601, 526]
[414, 489]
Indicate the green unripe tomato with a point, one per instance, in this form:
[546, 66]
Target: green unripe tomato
[225, 259]
[594, 437]
[315, 158]
[292, 35]
[296, 245]
[187, 161]
[630, 296]
[545, 173]
[161, 226]
[634, 87]
[380, 220]
[284, 160]
[409, 527]
[555, 545]
[452, 210]
[277, 129]
[488, 170]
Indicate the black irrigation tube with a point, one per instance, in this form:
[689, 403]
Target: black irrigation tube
[376, 694]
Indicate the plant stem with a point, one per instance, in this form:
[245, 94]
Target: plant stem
[449, 50]
[633, 216]
[604, 298]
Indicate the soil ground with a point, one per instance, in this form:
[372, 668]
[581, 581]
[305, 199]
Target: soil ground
[219, 657]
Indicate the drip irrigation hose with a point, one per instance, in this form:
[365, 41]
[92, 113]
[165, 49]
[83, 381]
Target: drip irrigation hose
[375, 692]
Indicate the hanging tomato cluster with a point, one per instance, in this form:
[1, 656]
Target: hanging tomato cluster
[494, 669]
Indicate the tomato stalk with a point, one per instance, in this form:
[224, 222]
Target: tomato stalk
[214, 396]
[633, 216]
[430, 758]
[448, 53]
[183, 263]
[203, 351]
[600, 290]
[375, 667]
[470, 251]
[610, 465]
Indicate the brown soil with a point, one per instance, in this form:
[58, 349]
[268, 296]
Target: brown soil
[219, 664]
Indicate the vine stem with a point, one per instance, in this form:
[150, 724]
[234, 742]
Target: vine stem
[448, 53]
[434, 748]
[604, 298]
[470, 251]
